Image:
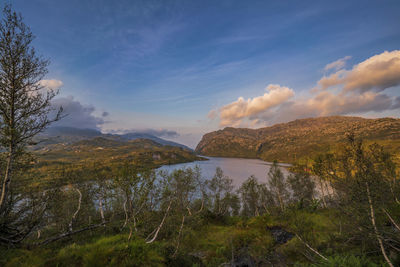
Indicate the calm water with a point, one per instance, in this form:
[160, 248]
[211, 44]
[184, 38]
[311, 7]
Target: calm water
[237, 169]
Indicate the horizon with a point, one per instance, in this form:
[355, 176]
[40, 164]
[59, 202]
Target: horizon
[164, 135]
[185, 69]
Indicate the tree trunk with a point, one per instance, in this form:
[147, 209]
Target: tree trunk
[161, 224]
[101, 210]
[322, 191]
[7, 179]
[126, 215]
[392, 220]
[179, 237]
[280, 201]
[77, 210]
[378, 237]
[311, 248]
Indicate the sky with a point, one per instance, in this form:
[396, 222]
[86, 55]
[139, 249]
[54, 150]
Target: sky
[180, 69]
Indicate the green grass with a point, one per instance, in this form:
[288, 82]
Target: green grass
[211, 243]
[106, 251]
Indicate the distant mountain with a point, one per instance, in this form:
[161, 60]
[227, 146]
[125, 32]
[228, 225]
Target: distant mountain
[103, 151]
[67, 145]
[70, 135]
[299, 139]
[70, 131]
[133, 136]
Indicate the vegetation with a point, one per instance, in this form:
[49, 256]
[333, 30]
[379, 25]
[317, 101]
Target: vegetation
[23, 114]
[125, 215]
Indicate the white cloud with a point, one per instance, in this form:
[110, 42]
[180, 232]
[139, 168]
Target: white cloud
[338, 64]
[51, 84]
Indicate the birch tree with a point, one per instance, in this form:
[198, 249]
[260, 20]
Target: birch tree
[24, 102]
[365, 195]
[277, 185]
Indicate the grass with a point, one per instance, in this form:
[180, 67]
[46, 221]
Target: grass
[211, 244]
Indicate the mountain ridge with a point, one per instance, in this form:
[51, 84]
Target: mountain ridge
[70, 135]
[298, 139]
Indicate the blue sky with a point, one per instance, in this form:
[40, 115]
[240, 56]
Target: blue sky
[166, 64]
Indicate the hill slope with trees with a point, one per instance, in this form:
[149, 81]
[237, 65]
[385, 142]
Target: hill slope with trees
[299, 139]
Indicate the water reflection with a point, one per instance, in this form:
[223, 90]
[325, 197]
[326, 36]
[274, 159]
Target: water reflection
[236, 168]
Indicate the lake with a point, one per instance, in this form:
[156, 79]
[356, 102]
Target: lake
[237, 169]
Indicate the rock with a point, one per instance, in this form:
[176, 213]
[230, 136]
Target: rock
[280, 235]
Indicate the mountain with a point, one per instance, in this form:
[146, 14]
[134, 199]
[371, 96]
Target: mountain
[67, 145]
[299, 139]
[70, 135]
[133, 136]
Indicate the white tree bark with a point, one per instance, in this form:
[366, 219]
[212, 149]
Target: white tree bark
[391, 220]
[312, 249]
[179, 237]
[77, 210]
[372, 217]
[161, 224]
[101, 210]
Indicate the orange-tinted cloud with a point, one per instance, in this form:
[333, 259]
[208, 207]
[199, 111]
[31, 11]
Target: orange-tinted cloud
[233, 113]
[354, 91]
[376, 73]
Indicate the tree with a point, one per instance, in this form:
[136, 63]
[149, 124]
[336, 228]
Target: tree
[324, 170]
[363, 184]
[277, 185]
[24, 102]
[221, 192]
[302, 187]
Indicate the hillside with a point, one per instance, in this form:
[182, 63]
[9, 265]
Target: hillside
[299, 139]
[70, 135]
[142, 152]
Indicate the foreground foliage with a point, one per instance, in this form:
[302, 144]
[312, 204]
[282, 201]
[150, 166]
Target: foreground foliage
[347, 216]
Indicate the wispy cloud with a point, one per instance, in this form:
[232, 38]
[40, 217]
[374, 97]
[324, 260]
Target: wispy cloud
[155, 132]
[338, 64]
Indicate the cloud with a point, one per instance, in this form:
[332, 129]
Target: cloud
[233, 113]
[344, 92]
[160, 132]
[212, 114]
[51, 84]
[338, 64]
[328, 103]
[156, 132]
[77, 114]
[377, 73]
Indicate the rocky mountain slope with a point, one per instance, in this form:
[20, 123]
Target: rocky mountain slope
[299, 139]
